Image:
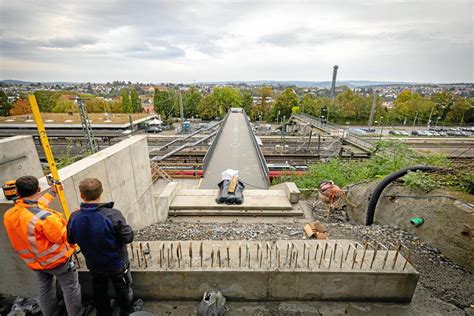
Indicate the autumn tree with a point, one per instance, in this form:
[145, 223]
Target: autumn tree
[207, 108]
[5, 106]
[165, 103]
[295, 110]
[265, 92]
[225, 97]
[444, 102]
[409, 105]
[20, 106]
[64, 104]
[191, 100]
[310, 105]
[247, 101]
[126, 104]
[459, 109]
[284, 103]
[97, 105]
[47, 99]
[135, 101]
[115, 105]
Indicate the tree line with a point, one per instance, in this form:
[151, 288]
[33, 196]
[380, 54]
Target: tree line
[265, 104]
[64, 101]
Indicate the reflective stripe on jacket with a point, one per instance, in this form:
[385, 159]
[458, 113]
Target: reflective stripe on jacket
[37, 234]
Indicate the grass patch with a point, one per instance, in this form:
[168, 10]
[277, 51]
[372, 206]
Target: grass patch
[388, 157]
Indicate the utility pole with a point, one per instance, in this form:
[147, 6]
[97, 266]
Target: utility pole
[429, 119]
[372, 111]
[86, 127]
[181, 109]
[416, 116]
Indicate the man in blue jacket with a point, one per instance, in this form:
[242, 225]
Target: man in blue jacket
[102, 234]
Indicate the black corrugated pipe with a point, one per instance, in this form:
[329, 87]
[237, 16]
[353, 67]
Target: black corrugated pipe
[369, 219]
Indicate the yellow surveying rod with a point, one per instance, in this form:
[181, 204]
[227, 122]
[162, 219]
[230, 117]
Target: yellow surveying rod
[49, 154]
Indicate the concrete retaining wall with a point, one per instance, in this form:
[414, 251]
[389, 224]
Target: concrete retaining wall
[449, 221]
[18, 157]
[124, 170]
[270, 286]
[191, 268]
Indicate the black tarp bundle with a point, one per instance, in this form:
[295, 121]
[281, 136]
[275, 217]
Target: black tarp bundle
[237, 197]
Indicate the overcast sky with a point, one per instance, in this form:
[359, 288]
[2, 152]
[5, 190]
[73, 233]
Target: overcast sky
[187, 41]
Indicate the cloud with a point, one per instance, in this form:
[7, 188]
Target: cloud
[245, 40]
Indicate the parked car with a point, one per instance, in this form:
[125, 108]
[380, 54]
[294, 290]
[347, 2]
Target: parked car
[399, 133]
[154, 129]
[454, 133]
[415, 133]
[357, 131]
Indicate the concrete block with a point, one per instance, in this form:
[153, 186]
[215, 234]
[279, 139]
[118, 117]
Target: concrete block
[290, 189]
[121, 183]
[262, 278]
[147, 210]
[141, 167]
[164, 199]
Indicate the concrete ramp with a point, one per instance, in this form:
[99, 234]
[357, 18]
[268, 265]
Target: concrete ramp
[236, 149]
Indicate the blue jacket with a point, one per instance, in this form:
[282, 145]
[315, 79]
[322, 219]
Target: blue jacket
[102, 234]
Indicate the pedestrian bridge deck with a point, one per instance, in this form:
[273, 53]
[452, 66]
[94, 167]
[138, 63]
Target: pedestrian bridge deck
[235, 150]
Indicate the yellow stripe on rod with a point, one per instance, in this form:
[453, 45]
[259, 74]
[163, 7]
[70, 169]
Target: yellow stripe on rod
[49, 154]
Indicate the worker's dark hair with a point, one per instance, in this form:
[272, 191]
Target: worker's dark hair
[26, 186]
[91, 188]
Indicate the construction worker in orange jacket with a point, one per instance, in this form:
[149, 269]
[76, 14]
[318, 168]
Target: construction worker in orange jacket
[38, 235]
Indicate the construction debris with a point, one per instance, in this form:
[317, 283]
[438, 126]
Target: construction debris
[316, 229]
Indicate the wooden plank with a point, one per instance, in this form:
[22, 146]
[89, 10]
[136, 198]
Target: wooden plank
[232, 185]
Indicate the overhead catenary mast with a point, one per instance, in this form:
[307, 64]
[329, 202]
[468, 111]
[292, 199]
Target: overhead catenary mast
[86, 127]
[372, 111]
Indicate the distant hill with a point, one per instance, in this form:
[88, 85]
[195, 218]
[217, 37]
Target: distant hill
[20, 82]
[317, 84]
[298, 83]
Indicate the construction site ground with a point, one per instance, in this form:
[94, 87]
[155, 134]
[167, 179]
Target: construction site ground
[444, 288]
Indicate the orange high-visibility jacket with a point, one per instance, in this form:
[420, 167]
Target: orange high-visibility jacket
[38, 233]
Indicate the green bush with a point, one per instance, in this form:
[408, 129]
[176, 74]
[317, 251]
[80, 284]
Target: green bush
[388, 157]
[420, 180]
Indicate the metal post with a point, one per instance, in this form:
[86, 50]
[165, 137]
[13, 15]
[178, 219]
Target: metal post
[372, 111]
[86, 127]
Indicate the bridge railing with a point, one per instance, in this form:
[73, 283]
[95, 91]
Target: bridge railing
[261, 158]
[210, 151]
[359, 142]
[334, 128]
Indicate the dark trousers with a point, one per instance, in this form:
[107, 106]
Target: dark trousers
[122, 283]
[67, 277]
